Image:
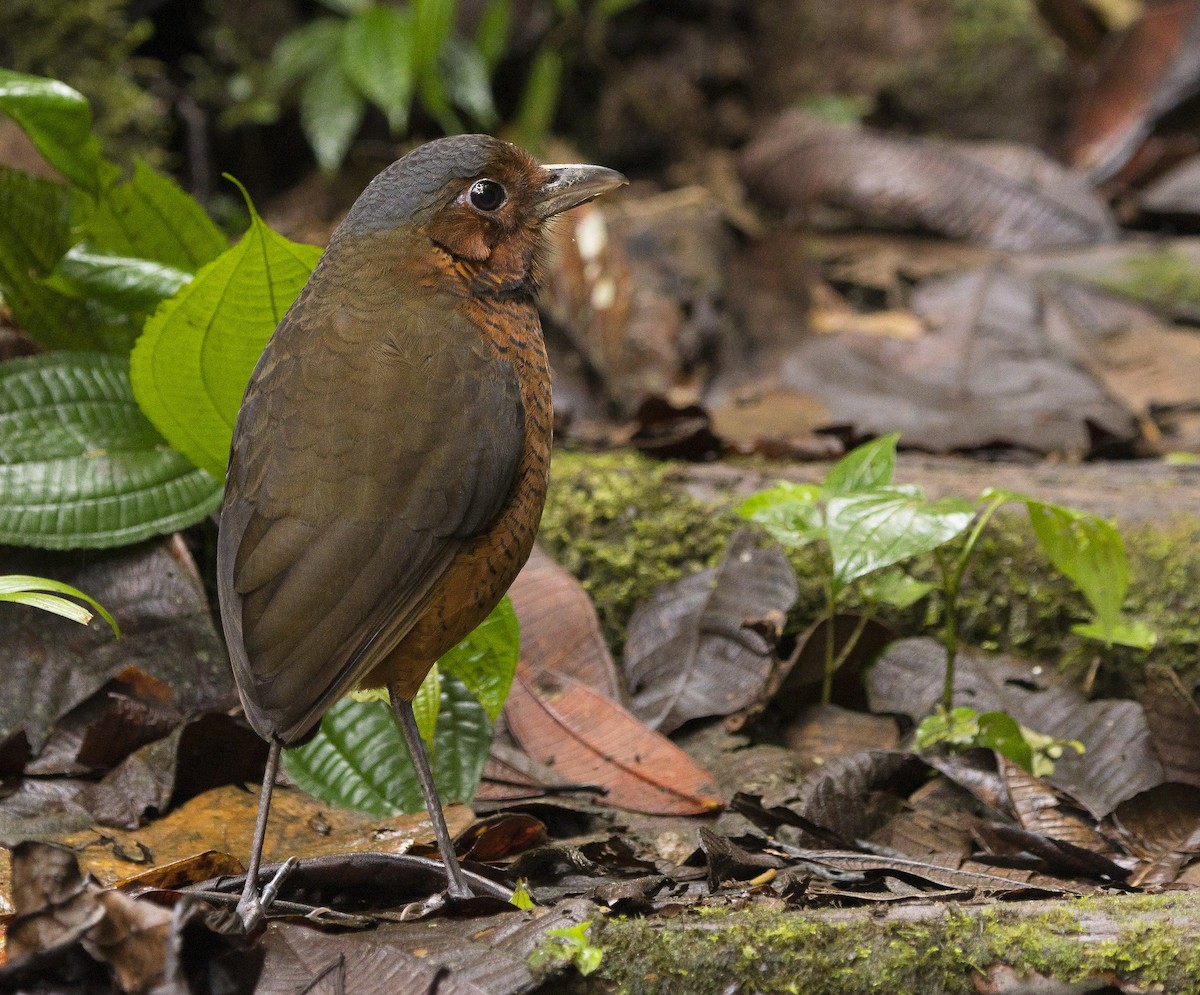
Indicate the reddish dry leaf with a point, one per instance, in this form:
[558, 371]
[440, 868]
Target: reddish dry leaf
[559, 628]
[500, 836]
[1152, 68]
[590, 739]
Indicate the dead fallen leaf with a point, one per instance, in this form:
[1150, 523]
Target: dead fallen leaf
[1173, 717]
[590, 739]
[223, 819]
[705, 645]
[1118, 761]
[559, 627]
[1005, 196]
[1153, 67]
[155, 593]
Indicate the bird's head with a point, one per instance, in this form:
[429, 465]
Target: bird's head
[478, 204]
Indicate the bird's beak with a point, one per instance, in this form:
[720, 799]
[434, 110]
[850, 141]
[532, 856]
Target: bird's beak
[570, 186]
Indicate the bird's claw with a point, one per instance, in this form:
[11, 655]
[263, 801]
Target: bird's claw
[252, 908]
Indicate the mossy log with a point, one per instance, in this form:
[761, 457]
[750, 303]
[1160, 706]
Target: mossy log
[1105, 944]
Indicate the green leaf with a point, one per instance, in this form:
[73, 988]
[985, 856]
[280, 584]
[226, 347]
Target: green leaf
[874, 529]
[999, 731]
[377, 58]
[491, 34]
[331, 111]
[895, 588]
[121, 282]
[868, 466]
[1089, 551]
[301, 52]
[149, 217]
[487, 659]
[80, 466]
[58, 120]
[1136, 634]
[539, 99]
[30, 591]
[465, 75]
[428, 703]
[192, 363]
[432, 23]
[358, 758]
[789, 512]
[42, 213]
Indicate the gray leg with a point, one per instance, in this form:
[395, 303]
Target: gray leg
[456, 884]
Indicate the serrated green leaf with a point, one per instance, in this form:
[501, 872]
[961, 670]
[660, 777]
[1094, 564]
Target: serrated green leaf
[789, 512]
[377, 57]
[1090, 552]
[192, 363]
[80, 466]
[59, 122]
[301, 52]
[331, 111]
[428, 703]
[358, 758]
[150, 217]
[868, 466]
[124, 283]
[875, 529]
[21, 588]
[487, 659]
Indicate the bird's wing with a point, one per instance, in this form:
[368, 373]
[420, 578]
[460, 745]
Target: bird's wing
[362, 461]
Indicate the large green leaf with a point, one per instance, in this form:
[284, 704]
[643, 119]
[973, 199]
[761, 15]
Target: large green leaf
[377, 58]
[467, 82]
[149, 217]
[121, 282]
[487, 659]
[358, 758]
[36, 217]
[862, 469]
[59, 122]
[789, 512]
[80, 466]
[874, 529]
[192, 363]
[331, 110]
[1090, 552]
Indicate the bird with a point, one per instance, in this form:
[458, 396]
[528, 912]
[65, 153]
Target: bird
[390, 457]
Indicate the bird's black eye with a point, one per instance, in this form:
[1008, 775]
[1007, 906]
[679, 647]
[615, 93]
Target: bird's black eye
[487, 195]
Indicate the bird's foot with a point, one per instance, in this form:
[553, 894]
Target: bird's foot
[251, 910]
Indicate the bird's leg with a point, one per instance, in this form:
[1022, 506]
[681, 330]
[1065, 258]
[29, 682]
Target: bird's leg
[456, 884]
[252, 906]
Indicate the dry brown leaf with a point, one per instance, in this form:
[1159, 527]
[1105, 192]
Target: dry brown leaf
[1002, 195]
[590, 739]
[1173, 717]
[559, 628]
[223, 819]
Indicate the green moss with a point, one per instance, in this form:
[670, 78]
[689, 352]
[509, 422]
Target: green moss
[89, 44]
[854, 952]
[1164, 276]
